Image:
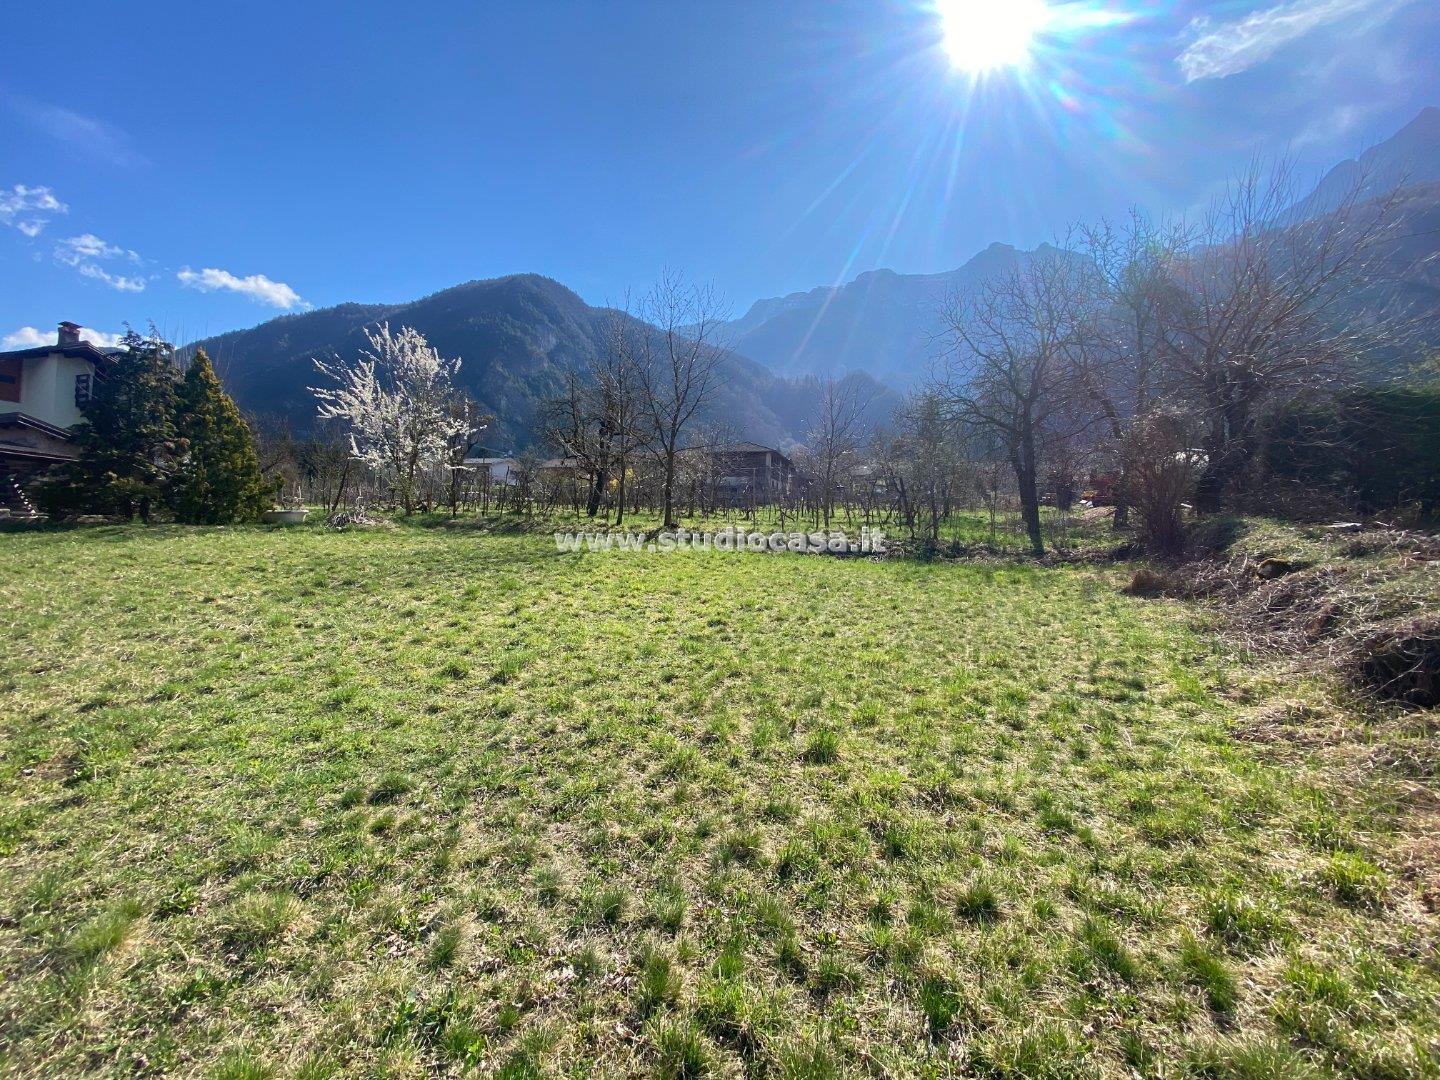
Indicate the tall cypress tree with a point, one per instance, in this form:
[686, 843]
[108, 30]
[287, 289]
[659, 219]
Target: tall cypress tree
[218, 477]
[127, 445]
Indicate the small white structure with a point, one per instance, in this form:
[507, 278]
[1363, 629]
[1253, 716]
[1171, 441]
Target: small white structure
[499, 466]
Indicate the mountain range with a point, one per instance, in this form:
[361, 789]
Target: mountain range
[518, 335]
[882, 323]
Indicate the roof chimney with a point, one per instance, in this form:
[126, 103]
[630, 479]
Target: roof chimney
[69, 333]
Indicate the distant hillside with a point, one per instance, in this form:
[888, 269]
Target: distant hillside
[516, 337]
[1411, 156]
[882, 323]
[1405, 284]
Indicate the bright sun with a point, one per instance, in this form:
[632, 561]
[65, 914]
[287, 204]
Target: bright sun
[983, 35]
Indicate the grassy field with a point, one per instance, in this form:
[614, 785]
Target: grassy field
[1078, 532]
[424, 801]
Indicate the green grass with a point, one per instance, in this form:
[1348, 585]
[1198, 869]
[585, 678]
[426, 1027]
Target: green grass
[429, 800]
[961, 531]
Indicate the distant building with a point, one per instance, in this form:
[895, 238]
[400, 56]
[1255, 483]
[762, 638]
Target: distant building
[499, 465]
[746, 473]
[41, 391]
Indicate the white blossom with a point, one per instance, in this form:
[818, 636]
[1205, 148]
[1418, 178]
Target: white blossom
[397, 399]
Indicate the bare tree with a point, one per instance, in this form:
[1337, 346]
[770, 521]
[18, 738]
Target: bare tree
[328, 464]
[834, 437]
[924, 466]
[469, 422]
[620, 382]
[1008, 372]
[1117, 363]
[575, 424]
[680, 369]
[1254, 316]
[600, 420]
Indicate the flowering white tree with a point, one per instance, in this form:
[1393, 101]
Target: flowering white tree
[398, 399]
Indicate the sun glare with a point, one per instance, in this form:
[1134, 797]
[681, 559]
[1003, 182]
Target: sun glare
[985, 35]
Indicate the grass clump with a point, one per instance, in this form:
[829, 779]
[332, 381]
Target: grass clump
[1207, 970]
[1250, 1059]
[1353, 879]
[103, 933]
[1240, 920]
[680, 1049]
[255, 919]
[658, 981]
[978, 902]
[823, 747]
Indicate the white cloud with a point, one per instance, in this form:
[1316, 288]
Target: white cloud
[118, 282]
[87, 135]
[86, 251]
[100, 338]
[257, 287]
[1334, 125]
[1227, 48]
[28, 337]
[29, 208]
[87, 247]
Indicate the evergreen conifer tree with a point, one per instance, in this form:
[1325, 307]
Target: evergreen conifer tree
[217, 478]
[127, 445]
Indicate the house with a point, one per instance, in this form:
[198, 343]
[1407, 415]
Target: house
[567, 467]
[41, 391]
[748, 473]
[497, 464]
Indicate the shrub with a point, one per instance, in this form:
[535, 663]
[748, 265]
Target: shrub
[1377, 448]
[1402, 662]
[1157, 474]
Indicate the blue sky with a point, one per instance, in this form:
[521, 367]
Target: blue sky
[210, 166]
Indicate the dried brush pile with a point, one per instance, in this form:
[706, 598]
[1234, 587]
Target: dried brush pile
[356, 518]
[1364, 604]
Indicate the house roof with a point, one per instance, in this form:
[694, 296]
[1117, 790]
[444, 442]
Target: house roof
[82, 350]
[480, 450]
[742, 447]
[20, 419]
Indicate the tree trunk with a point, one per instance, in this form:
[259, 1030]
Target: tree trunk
[1024, 462]
[1228, 452]
[597, 487]
[340, 487]
[669, 494]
